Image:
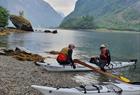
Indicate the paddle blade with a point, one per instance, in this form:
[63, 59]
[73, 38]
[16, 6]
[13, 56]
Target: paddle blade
[125, 79]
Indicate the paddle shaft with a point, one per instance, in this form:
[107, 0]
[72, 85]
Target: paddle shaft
[98, 70]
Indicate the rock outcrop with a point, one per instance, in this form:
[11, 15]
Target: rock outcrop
[21, 23]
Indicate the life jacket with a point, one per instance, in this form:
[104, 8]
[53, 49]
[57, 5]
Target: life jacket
[65, 51]
[63, 55]
[105, 55]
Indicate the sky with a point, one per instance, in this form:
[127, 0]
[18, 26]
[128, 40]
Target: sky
[62, 6]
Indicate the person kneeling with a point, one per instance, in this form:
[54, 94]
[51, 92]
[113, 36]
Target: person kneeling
[65, 56]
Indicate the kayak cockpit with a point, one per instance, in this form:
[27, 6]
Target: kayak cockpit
[87, 89]
[105, 88]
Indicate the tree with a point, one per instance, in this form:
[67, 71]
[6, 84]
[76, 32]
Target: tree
[3, 17]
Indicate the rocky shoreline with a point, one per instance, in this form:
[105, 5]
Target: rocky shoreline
[18, 76]
[7, 31]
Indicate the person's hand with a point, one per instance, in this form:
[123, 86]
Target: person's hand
[74, 67]
[107, 64]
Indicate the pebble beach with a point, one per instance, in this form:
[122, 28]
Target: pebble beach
[16, 77]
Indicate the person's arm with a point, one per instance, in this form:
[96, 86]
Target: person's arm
[70, 55]
[109, 57]
[70, 58]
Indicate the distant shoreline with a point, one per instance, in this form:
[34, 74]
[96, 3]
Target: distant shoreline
[103, 30]
[8, 31]
[113, 30]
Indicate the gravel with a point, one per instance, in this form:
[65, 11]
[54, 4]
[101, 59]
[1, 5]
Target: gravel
[16, 77]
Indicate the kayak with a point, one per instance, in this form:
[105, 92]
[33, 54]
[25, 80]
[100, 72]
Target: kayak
[53, 65]
[99, 89]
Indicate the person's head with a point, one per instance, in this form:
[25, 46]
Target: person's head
[102, 46]
[71, 46]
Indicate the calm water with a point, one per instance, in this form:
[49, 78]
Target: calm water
[124, 45]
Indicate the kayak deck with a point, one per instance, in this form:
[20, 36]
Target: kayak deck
[53, 65]
[101, 89]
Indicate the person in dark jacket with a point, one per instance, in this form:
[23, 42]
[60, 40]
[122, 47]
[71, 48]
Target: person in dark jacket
[65, 56]
[104, 58]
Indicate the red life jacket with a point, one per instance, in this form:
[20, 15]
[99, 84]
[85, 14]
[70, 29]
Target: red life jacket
[62, 57]
[105, 55]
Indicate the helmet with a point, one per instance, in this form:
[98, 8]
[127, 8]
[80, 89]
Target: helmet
[71, 46]
[102, 46]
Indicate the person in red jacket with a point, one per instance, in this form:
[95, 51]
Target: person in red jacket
[65, 56]
[104, 58]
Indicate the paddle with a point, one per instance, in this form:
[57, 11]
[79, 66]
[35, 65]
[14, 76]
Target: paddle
[120, 78]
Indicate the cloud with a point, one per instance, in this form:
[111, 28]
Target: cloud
[63, 6]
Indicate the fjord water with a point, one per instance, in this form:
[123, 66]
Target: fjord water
[122, 45]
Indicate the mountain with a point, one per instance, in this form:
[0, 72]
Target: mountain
[39, 12]
[110, 14]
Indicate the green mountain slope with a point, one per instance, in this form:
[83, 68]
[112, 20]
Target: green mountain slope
[110, 14]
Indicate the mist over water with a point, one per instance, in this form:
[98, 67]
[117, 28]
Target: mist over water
[122, 45]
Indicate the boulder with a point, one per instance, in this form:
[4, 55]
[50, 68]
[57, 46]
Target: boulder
[21, 23]
[55, 31]
[47, 31]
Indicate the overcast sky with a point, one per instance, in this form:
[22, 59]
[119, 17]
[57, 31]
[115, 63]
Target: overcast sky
[63, 6]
